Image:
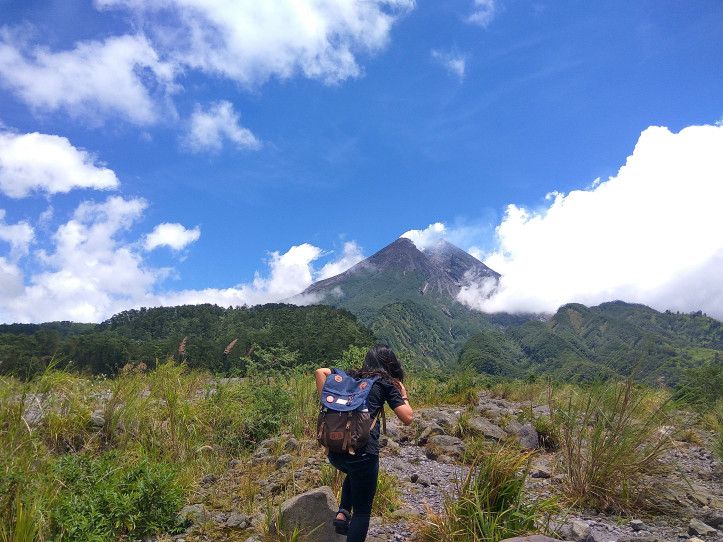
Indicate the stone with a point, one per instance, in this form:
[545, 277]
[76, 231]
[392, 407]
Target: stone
[97, 419]
[312, 512]
[283, 460]
[444, 445]
[208, 479]
[532, 538]
[527, 437]
[637, 525]
[486, 428]
[512, 427]
[429, 430]
[291, 445]
[540, 472]
[234, 463]
[697, 527]
[714, 518]
[193, 514]
[577, 530]
[236, 520]
[694, 539]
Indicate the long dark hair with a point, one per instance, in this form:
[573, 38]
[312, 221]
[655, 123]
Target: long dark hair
[381, 361]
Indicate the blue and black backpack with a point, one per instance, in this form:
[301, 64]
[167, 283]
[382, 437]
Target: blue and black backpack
[344, 421]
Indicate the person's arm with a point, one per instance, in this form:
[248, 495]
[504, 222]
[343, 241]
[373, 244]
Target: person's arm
[404, 412]
[320, 375]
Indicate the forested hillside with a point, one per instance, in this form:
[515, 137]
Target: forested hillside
[267, 335]
[585, 343]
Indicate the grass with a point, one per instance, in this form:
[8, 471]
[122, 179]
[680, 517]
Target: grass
[611, 437]
[489, 503]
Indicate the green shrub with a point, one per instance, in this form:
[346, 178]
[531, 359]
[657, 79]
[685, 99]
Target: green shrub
[109, 496]
[489, 502]
[702, 386]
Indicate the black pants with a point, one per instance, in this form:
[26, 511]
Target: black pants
[357, 493]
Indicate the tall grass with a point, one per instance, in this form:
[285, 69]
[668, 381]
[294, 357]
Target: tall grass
[489, 504]
[611, 437]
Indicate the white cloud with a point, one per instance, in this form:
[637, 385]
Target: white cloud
[48, 163]
[208, 129]
[483, 12]
[18, 236]
[174, 236]
[428, 236]
[352, 255]
[651, 234]
[251, 41]
[118, 76]
[454, 63]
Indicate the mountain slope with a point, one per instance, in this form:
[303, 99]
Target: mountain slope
[407, 297]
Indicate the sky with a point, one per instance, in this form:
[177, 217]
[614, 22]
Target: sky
[157, 152]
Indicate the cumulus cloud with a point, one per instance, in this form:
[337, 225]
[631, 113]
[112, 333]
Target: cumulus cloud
[428, 236]
[210, 128]
[483, 13]
[118, 76]
[18, 236]
[650, 234]
[352, 255]
[250, 41]
[48, 163]
[454, 63]
[174, 236]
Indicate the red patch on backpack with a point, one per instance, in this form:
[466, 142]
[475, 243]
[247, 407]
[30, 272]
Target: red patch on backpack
[336, 435]
[338, 378]
[362, 385]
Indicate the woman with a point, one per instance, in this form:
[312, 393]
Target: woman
[362, 468]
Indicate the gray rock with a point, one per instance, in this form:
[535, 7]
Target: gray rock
[291, 445]
[512, 427]
[444, 445]
[208, 479]
[714, 518]
[487, 428]
[97, 419]
[527, 437]
[429, 430]
[193, 513]
[540, 472]
[312, 512]
[239, 521]
[577, 530]
[283, 460]
[532, 538]
[637, 525]
[33, 412]
[697, 528]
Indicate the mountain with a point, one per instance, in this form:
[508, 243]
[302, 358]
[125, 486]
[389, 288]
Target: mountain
[615, 338]
[408, 297]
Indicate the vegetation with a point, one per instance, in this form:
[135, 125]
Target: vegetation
[489, 504]
[267, 337]
[611, 437]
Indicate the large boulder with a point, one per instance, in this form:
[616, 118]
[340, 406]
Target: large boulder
[312, 513]
[444, 445]
[485, 427]
[528, 437]
[697, 527]
[428, 430]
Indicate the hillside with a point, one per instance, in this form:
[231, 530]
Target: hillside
[615, 338]
[274, 333]
[407, 297]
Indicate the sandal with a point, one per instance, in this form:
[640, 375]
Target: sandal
[341, 526]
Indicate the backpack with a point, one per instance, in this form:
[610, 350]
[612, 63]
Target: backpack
[344, 421]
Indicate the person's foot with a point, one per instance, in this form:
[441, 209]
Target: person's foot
[341, 522]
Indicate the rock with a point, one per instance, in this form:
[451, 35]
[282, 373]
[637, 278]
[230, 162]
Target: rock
[33, 412]
[440, 445]
[291, 445]
[193, 514]
[258, 459]
[208, 480]
[283, 460]
[527, 437]
[512, 427]
[697, 527]
[486, 428]
[312, 512]
[429, 430]
[694, 539]
[236, 520]
[637, 525]
[532, 538]
[234, 463]
[421, 480]
[540, 472]
[577, 530]
[405, 513]
[445, 419]
[714, 518]
[97, 419]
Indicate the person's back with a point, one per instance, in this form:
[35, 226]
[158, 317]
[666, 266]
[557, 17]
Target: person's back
[362, 466]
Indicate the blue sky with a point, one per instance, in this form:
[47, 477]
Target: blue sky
[402, 115]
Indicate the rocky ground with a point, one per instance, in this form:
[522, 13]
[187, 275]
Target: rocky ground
[425, 459]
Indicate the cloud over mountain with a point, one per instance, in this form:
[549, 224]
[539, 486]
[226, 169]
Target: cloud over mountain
[650, 234]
